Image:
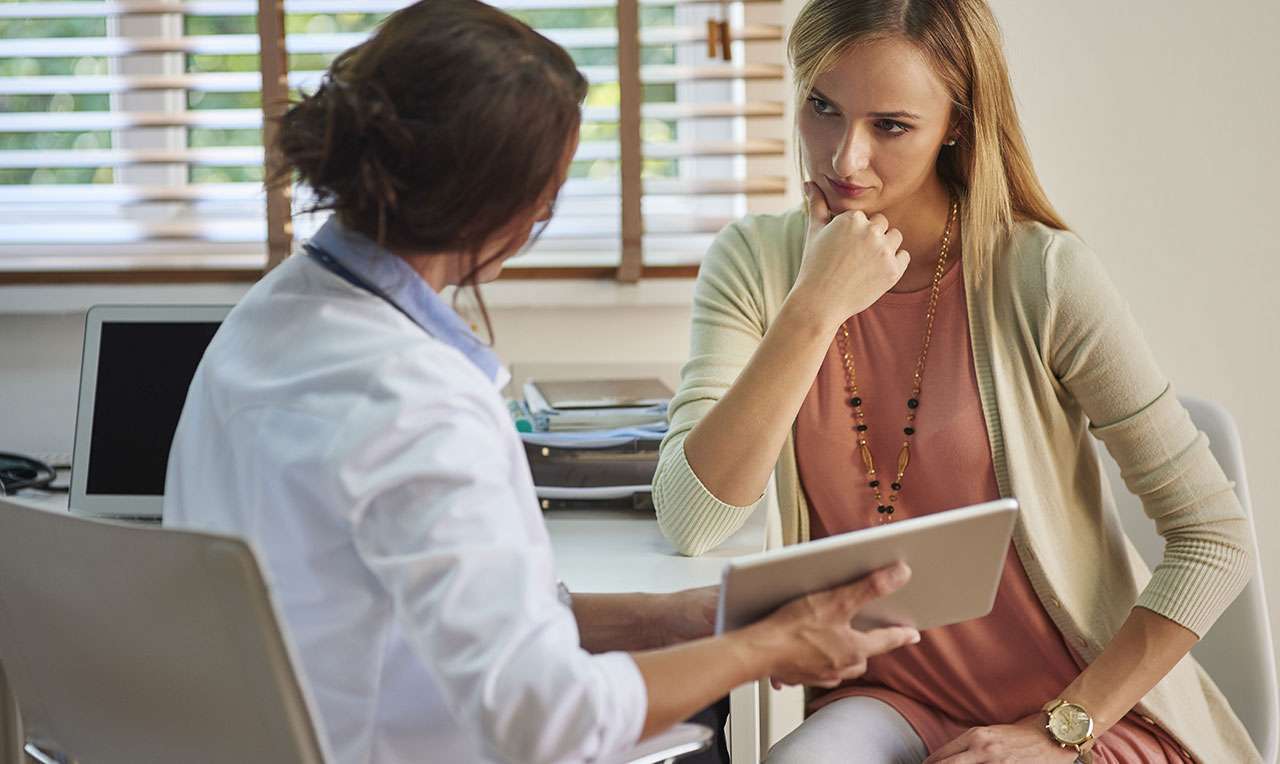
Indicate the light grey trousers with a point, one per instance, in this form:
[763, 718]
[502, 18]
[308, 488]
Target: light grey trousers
[857, 729]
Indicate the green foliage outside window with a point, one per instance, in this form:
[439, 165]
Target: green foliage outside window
[600, 95]
[60, 102]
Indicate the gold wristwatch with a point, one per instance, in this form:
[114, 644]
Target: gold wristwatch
[1070, 726]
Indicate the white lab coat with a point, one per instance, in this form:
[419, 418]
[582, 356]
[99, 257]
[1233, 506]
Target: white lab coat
[377, 474]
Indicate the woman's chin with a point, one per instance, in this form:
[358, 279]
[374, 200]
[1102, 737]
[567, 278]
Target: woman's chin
[868, 207]
[868, 200]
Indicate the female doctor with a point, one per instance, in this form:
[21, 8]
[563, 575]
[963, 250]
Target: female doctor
[348, 424]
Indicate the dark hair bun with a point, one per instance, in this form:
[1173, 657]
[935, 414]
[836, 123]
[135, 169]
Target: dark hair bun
[448, 123]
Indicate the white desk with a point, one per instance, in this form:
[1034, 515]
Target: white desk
[623, 551]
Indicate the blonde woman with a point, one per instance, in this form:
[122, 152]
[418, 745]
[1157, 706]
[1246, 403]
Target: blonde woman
[923, 334]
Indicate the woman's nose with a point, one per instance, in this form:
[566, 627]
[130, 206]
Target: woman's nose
[853, 155]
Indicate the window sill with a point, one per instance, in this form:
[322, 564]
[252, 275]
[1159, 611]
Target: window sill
[514, 291]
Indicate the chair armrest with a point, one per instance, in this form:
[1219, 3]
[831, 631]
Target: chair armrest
[680, 740]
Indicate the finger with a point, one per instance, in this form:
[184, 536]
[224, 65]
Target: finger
[819, 212]
[854, 670]
[957, 745]
[893, 237]
[855, 596]
[879, 223]
[880, 641]
[775, 683]
[902, 259]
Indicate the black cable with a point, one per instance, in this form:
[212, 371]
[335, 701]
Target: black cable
[18, 472]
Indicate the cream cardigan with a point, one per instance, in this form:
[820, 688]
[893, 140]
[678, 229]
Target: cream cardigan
[1058, 357]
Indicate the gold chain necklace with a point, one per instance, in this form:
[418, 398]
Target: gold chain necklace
[884, 509]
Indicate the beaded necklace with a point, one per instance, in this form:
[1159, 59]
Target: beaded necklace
[884, 509]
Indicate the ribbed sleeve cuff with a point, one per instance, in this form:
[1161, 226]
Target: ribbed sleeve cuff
[693, 519]
[1197, 580]
[1207, 556]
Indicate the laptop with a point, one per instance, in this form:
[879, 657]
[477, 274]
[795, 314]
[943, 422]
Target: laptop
[138, 363]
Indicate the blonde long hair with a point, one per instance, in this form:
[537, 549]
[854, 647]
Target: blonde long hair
[990, 165]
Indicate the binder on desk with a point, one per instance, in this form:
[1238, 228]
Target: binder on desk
[602, 393]
[618, 461]
[635, 498]
[611, 470]
[618, 409]
[595, 442]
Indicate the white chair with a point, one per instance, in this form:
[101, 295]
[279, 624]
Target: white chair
[124, 644]
[1237, 651]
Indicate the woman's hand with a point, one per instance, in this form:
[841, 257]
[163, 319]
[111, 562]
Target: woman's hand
[850, 260]
[1025, 742]
[812, 639]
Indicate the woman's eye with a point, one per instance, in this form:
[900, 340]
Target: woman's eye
[891, 127]
[820, 106]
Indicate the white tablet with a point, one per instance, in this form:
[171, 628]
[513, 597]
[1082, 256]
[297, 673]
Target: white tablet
[956, 559]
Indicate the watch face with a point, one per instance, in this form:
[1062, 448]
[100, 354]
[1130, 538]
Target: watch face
[1070, 724]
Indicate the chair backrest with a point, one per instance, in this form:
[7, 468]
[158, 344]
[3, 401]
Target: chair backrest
[129, 644]
[1237, 651]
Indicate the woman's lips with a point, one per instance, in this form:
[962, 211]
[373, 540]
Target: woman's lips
[848, 190]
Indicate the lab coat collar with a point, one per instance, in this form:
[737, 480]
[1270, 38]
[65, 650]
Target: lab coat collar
[410, 293]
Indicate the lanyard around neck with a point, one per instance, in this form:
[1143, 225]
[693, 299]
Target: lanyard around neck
[331, 264]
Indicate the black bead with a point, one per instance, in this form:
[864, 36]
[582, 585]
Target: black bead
[888, 510]
[897, 486]
[862, 428]
[909, 430]
[855, 401]
[874, 484]
[881, 509]
[912, 403]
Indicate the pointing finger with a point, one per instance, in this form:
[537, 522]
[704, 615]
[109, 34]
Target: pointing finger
[888, 639]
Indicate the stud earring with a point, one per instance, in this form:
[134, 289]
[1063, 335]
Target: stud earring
[951, 142]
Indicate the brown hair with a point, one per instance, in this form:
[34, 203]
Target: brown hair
[446, 125]
[990, 164]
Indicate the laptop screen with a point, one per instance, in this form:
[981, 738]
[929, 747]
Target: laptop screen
[144, 370]
[138, 364]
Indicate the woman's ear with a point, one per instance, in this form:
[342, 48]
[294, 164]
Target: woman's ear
[954, 131]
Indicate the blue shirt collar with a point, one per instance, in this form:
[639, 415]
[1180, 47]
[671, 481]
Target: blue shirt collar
[408, 291]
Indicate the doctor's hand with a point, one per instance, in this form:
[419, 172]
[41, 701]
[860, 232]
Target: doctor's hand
[1024, 742]
[687, 615]
[812, 639]
[850, 260]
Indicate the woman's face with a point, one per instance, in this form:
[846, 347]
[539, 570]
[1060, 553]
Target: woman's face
[872, 126]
